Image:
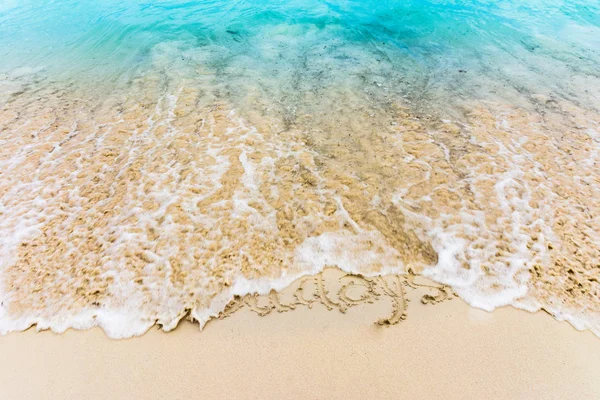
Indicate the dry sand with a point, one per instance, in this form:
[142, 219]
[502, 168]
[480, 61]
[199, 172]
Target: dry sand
[447, 350]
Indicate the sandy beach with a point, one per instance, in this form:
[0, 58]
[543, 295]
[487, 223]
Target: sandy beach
[447, 350]
[302, 199]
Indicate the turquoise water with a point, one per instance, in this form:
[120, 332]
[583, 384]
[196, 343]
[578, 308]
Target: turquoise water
[427, 51]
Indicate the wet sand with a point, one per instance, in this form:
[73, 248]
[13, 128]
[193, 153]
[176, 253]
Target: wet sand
[137, 212]
[447, 350]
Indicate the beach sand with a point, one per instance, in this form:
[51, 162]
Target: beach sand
[447, 350]
[159, 157]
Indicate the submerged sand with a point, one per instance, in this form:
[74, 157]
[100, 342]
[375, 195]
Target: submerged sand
[157, 203]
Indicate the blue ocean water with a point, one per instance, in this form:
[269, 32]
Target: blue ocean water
[427, 51]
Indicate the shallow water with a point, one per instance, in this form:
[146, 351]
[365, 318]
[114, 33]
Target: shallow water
[157, 158]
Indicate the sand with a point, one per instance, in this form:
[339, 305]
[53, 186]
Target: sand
[155, 206]
[447, 350]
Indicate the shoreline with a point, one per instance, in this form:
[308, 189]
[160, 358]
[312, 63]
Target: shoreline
[299, 200]
[448, 349]
[149, 241]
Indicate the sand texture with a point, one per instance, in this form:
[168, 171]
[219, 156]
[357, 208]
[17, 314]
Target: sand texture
[140, 210]
[447, 350]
